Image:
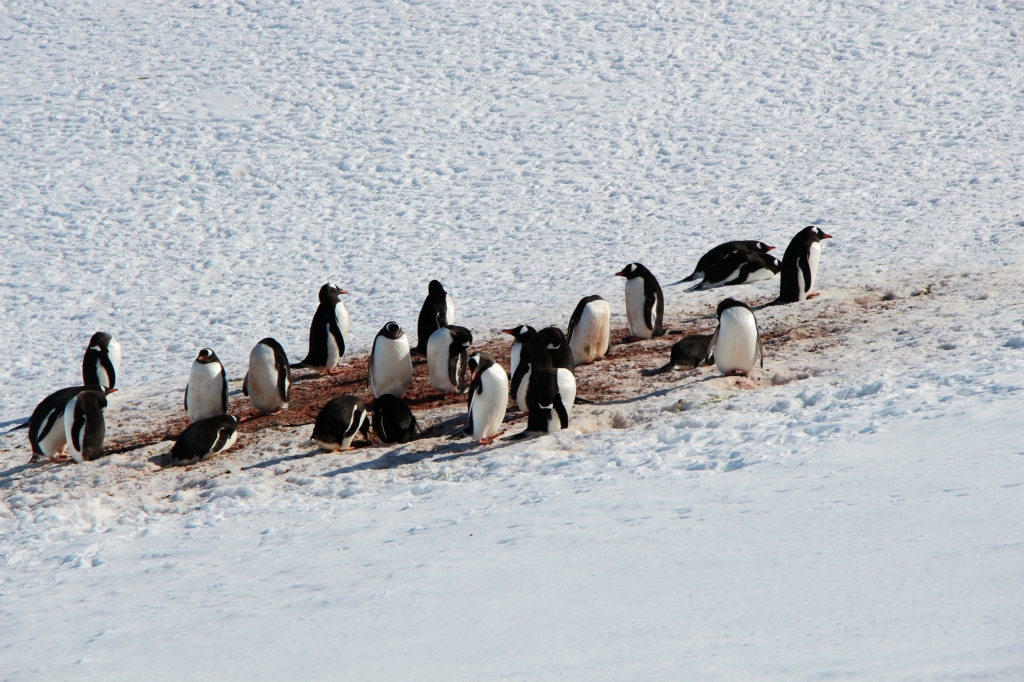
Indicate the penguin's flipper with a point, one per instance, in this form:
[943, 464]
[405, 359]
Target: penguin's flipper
[714, 340]
[224, 391]
[563, 414]
[245, 385]
[186, 397]
[650, 301]
[334, 330]
[697, 287]
[354, 426]
[805, 268]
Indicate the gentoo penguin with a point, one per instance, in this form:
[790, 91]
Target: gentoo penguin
[718, 253]
[46, 433]
[739, 267]
[534, 357]
[327, 332]
[84, 426]
[389, 369]
[689, 352]
[206, 393]
[558, 348]
[590, 330]
[102, 361]
[437, 311]
[268, 381]
[393, 421]
[204, 439]
[488, 398]
[736, 344]
[446, 358]
[645, 304]
[800, 266]
[337, 423]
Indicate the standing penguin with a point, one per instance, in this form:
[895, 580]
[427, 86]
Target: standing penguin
[84, 425]
[327, 332]
[645, 304]
[488, 398]
[446, 358]
[736, 344]
[800, 266]
[102, 361]
[393, 421]
[437, 311]
[534, 356]
[46, 432]
[590, 330]
[204, 439]
[718, 253]
[338, 422]
[739, 267]
[558, 348]
[389, 369]
[206, 393]
[268, 382]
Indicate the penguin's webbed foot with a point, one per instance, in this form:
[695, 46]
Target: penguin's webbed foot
[60, 458]
[814, 295]
[736, 373]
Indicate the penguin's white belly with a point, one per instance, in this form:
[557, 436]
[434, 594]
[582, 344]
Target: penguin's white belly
[346, 441]
[489, 405]
[759, 275]
[227, 444]
[333, 351]
[736, 347]
[101, 372]
[592, 334]
[205, 391]
[69, 423]
[813, 258]
[437, 361]
[263, 390]
[566, 389]
[449, 309]
[341, 314]
[635, 308]
[56, 439]
[392, 367]
[114, 353]
[521, 393]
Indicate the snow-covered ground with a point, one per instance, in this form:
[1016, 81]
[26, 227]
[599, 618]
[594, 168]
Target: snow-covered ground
[188, 175]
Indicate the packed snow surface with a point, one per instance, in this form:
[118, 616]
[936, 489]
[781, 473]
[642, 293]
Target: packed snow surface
[188, 175]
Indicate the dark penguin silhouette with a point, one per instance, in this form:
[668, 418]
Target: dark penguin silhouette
[437, 311]
[338, 422]
[558, 348]
[645, 303]
[718, 253]
[46, 433]
[327, 331]
[800, 266]
[204, 439]
[86, 428]
[393, 421]
[102, 361]
[739, 267]
[689, 352]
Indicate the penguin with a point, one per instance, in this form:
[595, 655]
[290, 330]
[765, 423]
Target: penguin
[645, 304]
[393, 421]
[736, 344]
[689, 352]
[590, 330]
[327, 332]
[337, 423]
[84, 427]
[718, 253]
[204, 439]
[389, 369]
[268, 382]
[46, 433]
[533, 355]
[437, 311]
[206, 393]
[102, 361]
[488, 399]
[558, 348]
[739, 267]
[800, 266]
[446, 358]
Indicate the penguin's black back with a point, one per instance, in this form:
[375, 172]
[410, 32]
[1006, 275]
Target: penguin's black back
[433, 315]
[325, 322]
[796, 257]
[578, 313]
[49, 410]
[89, 411]
[393, 421]
[335, 421]
[543, 390]
[90, 374]
[200, 438]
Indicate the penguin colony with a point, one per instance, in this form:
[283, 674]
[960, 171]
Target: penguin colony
[69, 424]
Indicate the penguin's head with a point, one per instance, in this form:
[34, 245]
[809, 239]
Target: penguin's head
[632, 270]
[762, 247]
[552, 337]
[435, 288]
[519, 333]
[730, 303]
[330, 294]
[815, 233]
[392, 331]
[460, 335]
[473, 362]
[206, 355]
[100, 341]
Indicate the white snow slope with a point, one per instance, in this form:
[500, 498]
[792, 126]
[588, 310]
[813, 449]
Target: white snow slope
[187, 175]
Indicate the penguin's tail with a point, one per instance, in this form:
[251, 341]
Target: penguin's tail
[698, 287]
[297, 365]
[582, 401]
[659, 370]
[692, 277]
[19, 426]
[777, 301]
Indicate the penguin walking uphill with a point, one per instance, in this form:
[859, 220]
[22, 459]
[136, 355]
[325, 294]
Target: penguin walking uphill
[268, 381]
[84, 425]
[800, 266]
[206, 393]
[327, 332]
[590, 330]
[718, 253]
[549, 393]
[102, 361]
[389, 369]
[739, 267]
[438, 311]
[645, 304]
[46, 432]
[204, 439]
[736, 344]
[446, 358]
[488, 399]
[338, 422]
